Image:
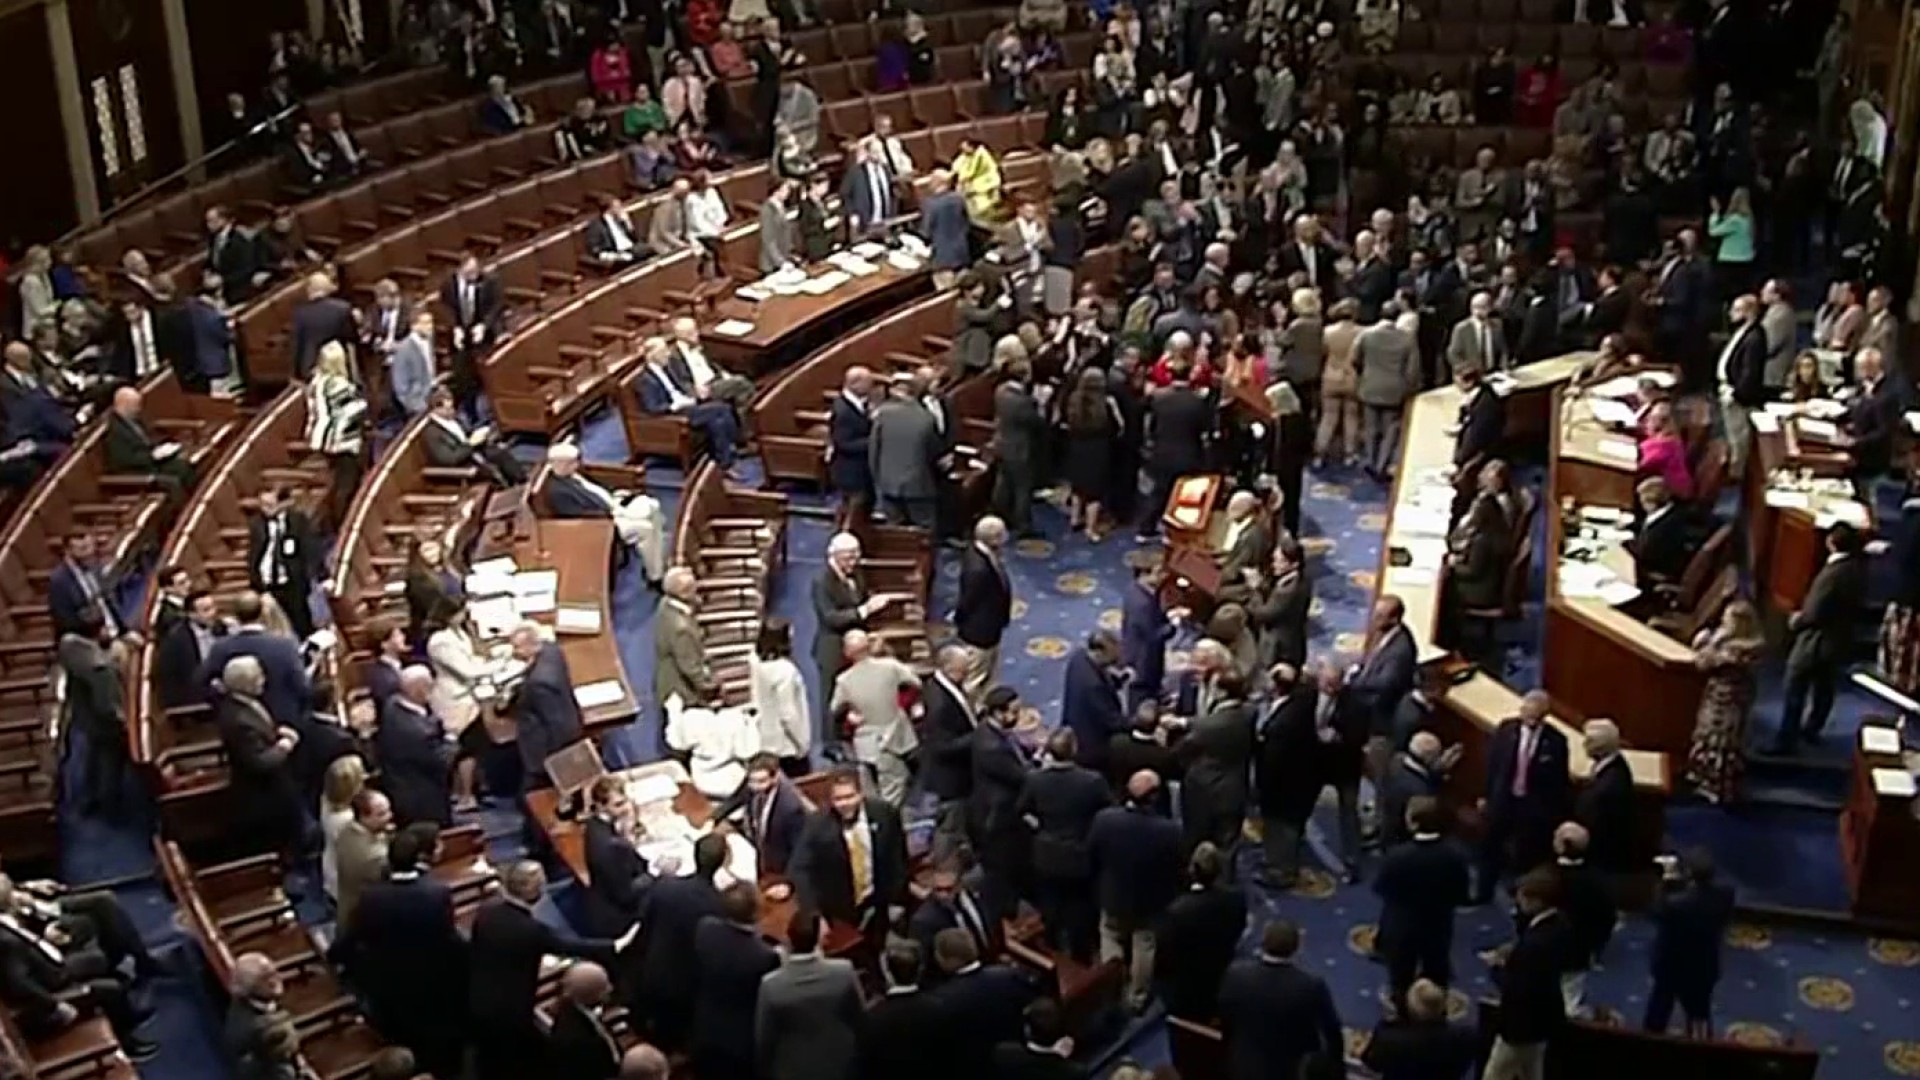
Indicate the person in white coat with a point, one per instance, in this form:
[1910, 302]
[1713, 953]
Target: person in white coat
[779, 699]
[637, 516]
[718, 744]
[464, 677]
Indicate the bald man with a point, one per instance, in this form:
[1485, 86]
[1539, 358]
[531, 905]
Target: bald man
[643, 1062]
[132, 450]
[1605, 803]
[885, 737]
[416, 760]
[1587, 896]
[1420, 769]
[580, 1046]
[253, 1016]
[1137, 856]
[322, 317]
[680, 669]
[1528, 793]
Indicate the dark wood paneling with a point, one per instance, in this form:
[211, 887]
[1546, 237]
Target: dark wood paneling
[108, 34]
[230, 49]
[39, 200]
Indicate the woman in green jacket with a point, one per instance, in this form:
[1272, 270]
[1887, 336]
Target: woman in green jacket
[1732, 226]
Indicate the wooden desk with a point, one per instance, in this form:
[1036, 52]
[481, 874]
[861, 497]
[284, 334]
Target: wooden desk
[569, 842]
[1599, 660]
[1473, 708]
[579, 551]
[1786, 546]
[786, 328]
[1880, 846]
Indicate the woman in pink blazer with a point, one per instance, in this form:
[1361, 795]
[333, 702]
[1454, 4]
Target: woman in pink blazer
[611, 72]
[1663, 453]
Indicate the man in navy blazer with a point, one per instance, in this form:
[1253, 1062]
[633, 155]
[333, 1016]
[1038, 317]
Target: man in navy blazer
[1090, 705]
[1483, 417]
[1145, 628]
[663, 394]
[1274, 1012]
[548, 717]
[32, 412]
[850, 431]
[1528, 793]
[772, 812]
[669, 913]
[1384, 676]
[951, 905]
[1137, 855]
[78, 587]
[983, 1003]
[943, 223]
[866, 194]
[731, 960]
[946, 747]
[288, 690]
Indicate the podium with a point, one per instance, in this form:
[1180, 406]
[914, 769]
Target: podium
[1192, 530]
[1880, 834]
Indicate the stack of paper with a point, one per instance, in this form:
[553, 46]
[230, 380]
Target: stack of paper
[1620, 450]
[1894, 783]
[577, 620]
[595, 694]
[1780, 499]
[492, 616]
[1766, 423]
[1610, 412]
[869, 250]
[1876, 739]
[1824, 408]
[1618, 387]
[733, 328]
[1819, 430]
[754, 294]
[1841, 510]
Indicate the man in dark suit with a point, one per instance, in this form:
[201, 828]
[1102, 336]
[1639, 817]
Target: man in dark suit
[1605, 803]
[730, 960]
[1090, 705]
[1179, 425]
[1135, 853]
[1422, 1044]
[1532, 1005]
[905, 453]
[1342, 728]
[1527, 793]
[256, 1021]
[618, 878]
[1046, 1052]
[950, 905]
[1609, 311]
[289, 692]
[1662, 545]
[1000, 767]
[547, 715]
[1385, 673]
[771, 810]
[1059, 803]
[391, 652]
[509, 944]
[1821, 632]
[1740, 379]
[1483, 418]
[1286, 776]
[662, 393]
[1420, 884]
[231, 254]
[1587, 897]
[985, 606]
[905, 1029]
[981, 1004]
[416, 760]
[79, 587]
[1141, 746]
[580, 1045]
[1690, 915]
[47, 977]
[477, 315]
[1249, 543]
[132, 451]
[867, 193]
[1198, 937]
[322, 318]
[1145, 628]
[1873, 418]
[850, 434]
[450, 444]
[1019, 443]
[404, 952]
[1310, 254]
[1273, 1012]
[96, 707]
[1418, 770]
[946, 748]
[183, 647]
[1217, 751]
[1680, 300]
[670, 911]
[841, 602]
[850, 864]
[282, 556]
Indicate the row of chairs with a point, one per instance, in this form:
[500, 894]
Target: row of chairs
[1527, 38]
[736, 542]
[1636, 78]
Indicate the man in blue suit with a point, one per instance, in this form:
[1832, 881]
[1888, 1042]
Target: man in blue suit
[731, 960]
[772, 812]
[661, 394]
[1145, 628]
[1383, 678]
[1528, 793]
[850, 427]
[670, 912]
[866, 195]
[547, 716]
[33, 414]
[1090, 705]
[943, 223]
[288, 691]
[983, 1003]
[79, 586]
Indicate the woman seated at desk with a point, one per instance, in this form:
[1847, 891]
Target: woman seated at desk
[1805, 383]
[1663, 452]
[464, 678]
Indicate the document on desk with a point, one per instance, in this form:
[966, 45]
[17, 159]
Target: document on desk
[1780, 499]
[1419, 521]
[1620, 450]
[1413, 577]
[652, 788]
[1894, 783]
[478, 584]
[1847, 510]
[535, 603]
[595, 694]
[493, 616]
[733, 328]
[1620, 386]
[1819, 430]
[1610, 412]
[533, 582]
[504, 566]
[1765, 423]
[577, 620]
[1876, 739]
[1824, 408]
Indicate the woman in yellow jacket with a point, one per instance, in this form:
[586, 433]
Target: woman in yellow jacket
[979, 177]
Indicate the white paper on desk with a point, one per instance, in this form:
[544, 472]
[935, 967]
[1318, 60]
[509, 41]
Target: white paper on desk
[1875, 739]
[535, 603]
[1833, 513]
[903, 262]
[754, 294]
[1419, 521]
[489, 585]
[1620, 386]
[1604, 515]
[1423, 552]
[652, 788]
[1765, 423]
[595, 694]
[504, 566]
[1779, 408]
[493, 615]
[1415, 577]
[1894, 783]
[1913, 422]
[531, 582]
[1819, 429]
[1788, 500]
[869, 250]
[1825, 408]
[733, 328]
[1616, 592]
[577, 620]
[1620, 451]
[1611, 413]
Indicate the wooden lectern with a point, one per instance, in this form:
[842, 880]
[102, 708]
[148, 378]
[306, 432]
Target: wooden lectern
[1190, 525]
[1879, 833]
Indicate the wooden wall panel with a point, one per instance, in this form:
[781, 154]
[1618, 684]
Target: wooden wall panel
[39, 192]
[230, 50]
[108, 35]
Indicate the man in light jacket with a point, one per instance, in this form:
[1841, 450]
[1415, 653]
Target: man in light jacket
[883, 735]
[808, 1014]
[1386, 359]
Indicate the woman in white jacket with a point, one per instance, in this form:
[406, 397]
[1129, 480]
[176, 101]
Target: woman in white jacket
[779, 699]
[336, 423]
[463, 681]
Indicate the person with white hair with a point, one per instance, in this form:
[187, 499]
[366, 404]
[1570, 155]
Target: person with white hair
[1586, 895]
[1248, 543]
[691, 366]
[1527, 796]
[841, 603]
[636, 515]
[1477, 341]
[883, 735]
[1419, 770]
[258, 745]
[256, 1022]
[985, 607]
[1605, 804]
[415, 752]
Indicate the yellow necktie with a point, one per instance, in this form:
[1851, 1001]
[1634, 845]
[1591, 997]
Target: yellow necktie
[862, 868]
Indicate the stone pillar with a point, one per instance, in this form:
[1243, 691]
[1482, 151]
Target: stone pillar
[71, 100]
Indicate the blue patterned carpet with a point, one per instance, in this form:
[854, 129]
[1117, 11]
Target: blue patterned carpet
[1851, 996]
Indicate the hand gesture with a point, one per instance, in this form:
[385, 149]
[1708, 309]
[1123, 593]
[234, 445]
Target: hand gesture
[779, 891]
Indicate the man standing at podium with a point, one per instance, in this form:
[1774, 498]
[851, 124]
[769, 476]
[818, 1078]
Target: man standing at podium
[548, 716]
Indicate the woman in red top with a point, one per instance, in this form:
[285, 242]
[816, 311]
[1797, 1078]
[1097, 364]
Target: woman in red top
[703, 22]
[611, 72]
[1663, 453]
[1541, 89]
[1180, 346]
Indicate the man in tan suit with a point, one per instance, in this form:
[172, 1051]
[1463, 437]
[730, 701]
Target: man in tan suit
[1476, 195]
[884, 736]
[667, 228]
[679, 648]
[360, 851]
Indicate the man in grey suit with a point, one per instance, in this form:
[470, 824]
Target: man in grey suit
[883, 734]
[1477, 340]
[1387, 360]
[667, 228]
[411, 366]
[679, 649]
[808, 1014]
[904, 452]
[943, 224]
[1782, 329]
[776, 229]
